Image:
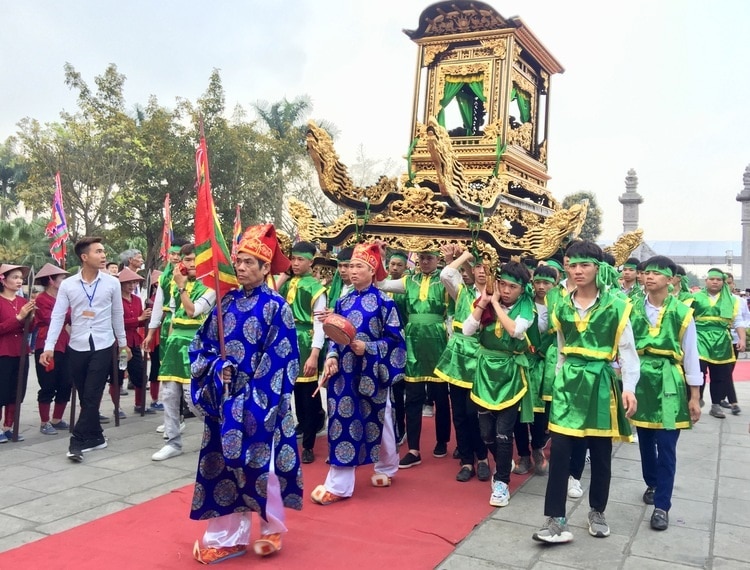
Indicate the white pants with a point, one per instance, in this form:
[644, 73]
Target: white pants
[234, 529]
[171, 392]
[340, 480]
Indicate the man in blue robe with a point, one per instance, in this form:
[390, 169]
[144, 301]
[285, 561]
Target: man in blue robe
[248, 459]
[360, 376]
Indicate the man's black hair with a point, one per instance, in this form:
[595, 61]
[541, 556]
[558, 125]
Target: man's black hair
[83, 244]
[608, 258]
[584, 248]
[304, 247]
[662, 262]
[516, 270]
[545, 271]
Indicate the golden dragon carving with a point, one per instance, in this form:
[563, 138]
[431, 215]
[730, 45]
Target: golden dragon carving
[625, 245]
[333, 174]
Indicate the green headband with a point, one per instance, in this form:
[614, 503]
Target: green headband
[544, 278]
[629, 266]
[573, 260]
[175, 249]
[554, 263]
[715, 273]
[399, 255]
[508, 277]
[304, 254]
[655, 269]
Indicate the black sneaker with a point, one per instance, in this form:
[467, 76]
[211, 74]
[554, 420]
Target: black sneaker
[660, 520]
[648, 495]
[456, 454]
[736, 410]
[75, 455]
[466, 473]
[441, 450]
[409, 460]
[103, 419]
[93, 444]
[725, 404]
[308, 456]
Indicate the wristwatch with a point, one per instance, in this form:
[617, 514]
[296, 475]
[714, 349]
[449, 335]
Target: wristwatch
[181, 290]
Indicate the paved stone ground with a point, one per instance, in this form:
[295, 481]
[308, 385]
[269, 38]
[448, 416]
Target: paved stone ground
[709, 520]
[43, 493]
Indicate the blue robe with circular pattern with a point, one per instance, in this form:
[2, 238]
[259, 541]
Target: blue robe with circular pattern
[250, 430]
[357, 393]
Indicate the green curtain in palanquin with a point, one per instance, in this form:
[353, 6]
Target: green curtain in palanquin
[524, 103]
[454, 89]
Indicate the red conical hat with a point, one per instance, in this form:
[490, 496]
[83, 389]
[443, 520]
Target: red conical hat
[49, 270]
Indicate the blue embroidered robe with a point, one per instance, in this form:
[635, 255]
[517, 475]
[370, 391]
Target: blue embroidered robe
[357, 393]
[250, 430]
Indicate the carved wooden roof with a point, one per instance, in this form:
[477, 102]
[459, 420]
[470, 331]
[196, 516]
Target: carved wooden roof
[446, 18]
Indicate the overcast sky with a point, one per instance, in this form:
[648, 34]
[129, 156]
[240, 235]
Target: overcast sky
[658, 86]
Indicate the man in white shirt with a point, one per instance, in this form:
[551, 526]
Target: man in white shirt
[93, 296]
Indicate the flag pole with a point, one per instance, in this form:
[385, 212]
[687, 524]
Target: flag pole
[214, 258]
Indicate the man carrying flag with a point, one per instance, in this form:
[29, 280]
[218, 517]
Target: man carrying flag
[57, 229]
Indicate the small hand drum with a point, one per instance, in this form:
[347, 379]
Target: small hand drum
[339, 329]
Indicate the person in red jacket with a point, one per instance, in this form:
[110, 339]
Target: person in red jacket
[135, 317]
[14, 309]
[54, 384]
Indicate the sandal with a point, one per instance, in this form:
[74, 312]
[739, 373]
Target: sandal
[381, 480]
[216, 555]
[267, 544]
[323, 497]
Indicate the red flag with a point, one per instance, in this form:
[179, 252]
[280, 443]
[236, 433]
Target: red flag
[57, 229]
[236, 233]
[213, 265]
[166, 233]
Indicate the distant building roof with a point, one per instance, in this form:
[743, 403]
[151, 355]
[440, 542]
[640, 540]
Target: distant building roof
[696, 248]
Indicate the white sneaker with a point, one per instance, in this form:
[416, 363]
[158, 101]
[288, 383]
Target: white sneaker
[165, 436]
[428, 411]
[500, 494]
[160, 429]
[575, 491]
[166, 452]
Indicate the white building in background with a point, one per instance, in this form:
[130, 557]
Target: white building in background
[696, 257]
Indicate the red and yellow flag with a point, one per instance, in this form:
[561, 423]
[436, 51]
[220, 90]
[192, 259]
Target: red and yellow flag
[212, 262]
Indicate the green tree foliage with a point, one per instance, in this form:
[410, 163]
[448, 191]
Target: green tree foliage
[117, 163]
[24, 243]
[592, 227]
[13, 171]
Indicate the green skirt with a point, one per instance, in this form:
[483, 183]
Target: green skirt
[586, 401]
[458, 363]
[175, 362]
[304, 342]
[501, 382]
[536, 380]
[662, 395]
[425, 343]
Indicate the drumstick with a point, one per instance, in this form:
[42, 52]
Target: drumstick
[321, 381]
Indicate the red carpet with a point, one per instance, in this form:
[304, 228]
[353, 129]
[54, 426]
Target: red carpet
[415, 523]
[742, 371]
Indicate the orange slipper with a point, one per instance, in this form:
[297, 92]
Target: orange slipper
[381, 480]
[267, 544]
[323, 497]
[216, 555]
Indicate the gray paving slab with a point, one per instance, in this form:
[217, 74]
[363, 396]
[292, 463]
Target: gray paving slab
[733, 511]
[57, 505]
[731, 542]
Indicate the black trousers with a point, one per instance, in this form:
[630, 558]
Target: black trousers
[578, 457]
[55, 384]
[496, 427]
[721, 379]
[310, 414]
[559, 470]
[415, 398]
[135, 370]
[398, 390]
[538, 431]
[466, 425]
[153, 373]
[89, 371]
